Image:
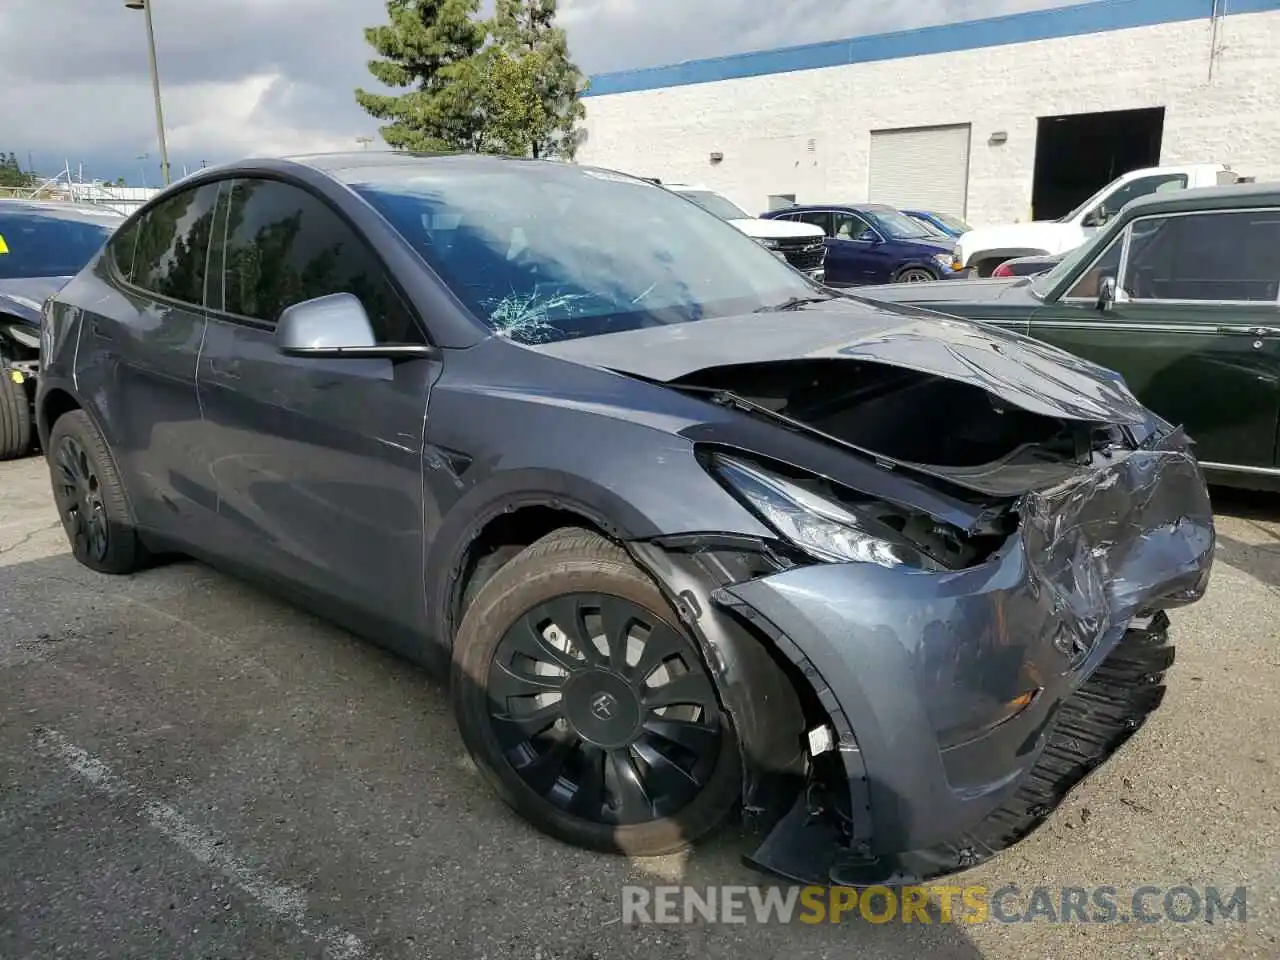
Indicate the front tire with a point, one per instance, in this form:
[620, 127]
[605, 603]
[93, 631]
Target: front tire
[90, 498]
[588, 707]
[915, 275]
[15, 417]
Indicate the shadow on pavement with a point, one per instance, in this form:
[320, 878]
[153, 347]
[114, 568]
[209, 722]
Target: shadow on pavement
[301, 760]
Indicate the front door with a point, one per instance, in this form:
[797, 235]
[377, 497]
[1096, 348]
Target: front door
[1195, 330]
[318, 462]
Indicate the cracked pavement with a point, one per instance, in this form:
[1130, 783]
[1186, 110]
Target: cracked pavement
[190, 768]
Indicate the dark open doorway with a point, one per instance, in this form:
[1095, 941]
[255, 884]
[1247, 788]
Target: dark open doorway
[1078, 153]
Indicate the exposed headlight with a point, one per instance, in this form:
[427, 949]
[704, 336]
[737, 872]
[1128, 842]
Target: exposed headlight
[822, 528]
[767, 243]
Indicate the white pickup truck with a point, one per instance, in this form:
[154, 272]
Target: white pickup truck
[981, 250]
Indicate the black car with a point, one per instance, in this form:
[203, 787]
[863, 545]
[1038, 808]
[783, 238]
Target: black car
[42, 243]
[689, 533]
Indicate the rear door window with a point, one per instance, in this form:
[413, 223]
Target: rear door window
[1231, 256]
[284, 245]
[172, 245]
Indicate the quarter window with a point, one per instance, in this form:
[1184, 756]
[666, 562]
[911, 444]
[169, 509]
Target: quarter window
[1226, 256]
[172, 243]
[285, 245]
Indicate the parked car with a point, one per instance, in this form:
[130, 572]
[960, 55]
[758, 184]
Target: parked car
[873, 243]
[982, 250]
[798, 244]
[1027, 266]
[945, 223]
[690, 532]
[1187, 313]
[42, 243]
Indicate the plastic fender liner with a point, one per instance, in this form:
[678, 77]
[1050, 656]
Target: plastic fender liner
[759, 697]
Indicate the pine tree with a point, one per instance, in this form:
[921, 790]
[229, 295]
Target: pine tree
[431, 46]
[535, 88]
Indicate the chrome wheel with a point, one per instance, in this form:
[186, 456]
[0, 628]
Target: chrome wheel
[915, 275]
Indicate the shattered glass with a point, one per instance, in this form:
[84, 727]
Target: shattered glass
[527, 317]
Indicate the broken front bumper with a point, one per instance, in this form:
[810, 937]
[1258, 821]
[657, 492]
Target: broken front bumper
[966, 704]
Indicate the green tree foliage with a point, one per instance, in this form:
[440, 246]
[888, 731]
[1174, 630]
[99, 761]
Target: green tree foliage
[430, 46]
[12, 174]
[534, 82]
[505, 85]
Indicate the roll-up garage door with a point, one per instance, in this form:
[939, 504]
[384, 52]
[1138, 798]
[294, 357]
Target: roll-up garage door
[922, 168]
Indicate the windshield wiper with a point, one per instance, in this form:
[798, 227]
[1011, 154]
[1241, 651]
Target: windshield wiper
[794, 303]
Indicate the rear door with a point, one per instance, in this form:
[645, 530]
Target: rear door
[137, 361]
[318, 461]
[1196, 327]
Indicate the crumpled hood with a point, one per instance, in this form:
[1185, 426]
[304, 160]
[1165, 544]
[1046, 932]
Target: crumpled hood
[25, 297]
[1018, 370]
[1039, 236]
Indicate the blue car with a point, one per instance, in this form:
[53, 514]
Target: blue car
[873, 243]
[944, 223]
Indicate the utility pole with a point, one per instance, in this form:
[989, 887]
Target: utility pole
[145, 7]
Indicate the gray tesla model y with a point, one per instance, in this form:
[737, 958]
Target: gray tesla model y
[692, 534]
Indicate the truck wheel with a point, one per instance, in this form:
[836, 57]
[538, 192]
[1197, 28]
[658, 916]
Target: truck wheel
[15, 417]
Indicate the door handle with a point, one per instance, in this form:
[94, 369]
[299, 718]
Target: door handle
[1250, 331]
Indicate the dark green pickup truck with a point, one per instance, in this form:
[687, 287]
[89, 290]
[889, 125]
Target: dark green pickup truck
[1180, 294]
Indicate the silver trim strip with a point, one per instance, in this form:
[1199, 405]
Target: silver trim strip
[1233, 468]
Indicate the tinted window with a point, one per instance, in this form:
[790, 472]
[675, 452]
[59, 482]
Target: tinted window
[715, 204]
[172, 243]
[850, 226]
[39, 244]
[285, 245]
[1206, 256]
[1106, 266]
[121, 247]
[899, 226]
[1141, 188]
[541, 252]
[824, 220]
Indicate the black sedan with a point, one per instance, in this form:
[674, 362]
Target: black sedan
[689, 533]
[42, 244]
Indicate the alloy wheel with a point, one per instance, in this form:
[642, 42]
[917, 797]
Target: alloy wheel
[604, 710]
[915, 275]
[79, 498]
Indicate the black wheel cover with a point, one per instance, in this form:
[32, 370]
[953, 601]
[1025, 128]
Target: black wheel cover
[604, 709]
[79, 497]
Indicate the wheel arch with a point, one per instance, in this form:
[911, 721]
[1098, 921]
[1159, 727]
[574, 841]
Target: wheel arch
[54, 404]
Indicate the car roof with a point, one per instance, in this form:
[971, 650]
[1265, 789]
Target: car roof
[1205, 198]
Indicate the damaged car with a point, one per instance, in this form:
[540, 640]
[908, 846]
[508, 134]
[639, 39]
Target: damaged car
[42, 243]
[690, 534]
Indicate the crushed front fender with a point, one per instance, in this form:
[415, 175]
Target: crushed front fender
[974, 700]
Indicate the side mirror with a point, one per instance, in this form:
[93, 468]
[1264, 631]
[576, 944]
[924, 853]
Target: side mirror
[337, 326]
[1095, 218]
[1106, 293]
[869, 236]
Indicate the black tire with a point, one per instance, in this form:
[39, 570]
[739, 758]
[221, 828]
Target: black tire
[91, 499]
[15, 417]
[915, 274]
[568, 564]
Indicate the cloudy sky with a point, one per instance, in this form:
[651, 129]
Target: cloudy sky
[269, 77]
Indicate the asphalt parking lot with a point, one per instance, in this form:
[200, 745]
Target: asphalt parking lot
[189, 768]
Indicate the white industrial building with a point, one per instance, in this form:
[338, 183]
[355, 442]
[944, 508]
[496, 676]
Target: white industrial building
[994, 120]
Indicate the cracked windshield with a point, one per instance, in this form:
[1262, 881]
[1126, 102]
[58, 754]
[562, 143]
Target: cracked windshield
[548, 253]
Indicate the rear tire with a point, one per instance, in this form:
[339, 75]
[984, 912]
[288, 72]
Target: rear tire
[91, 498]
[612, 761]
[15, 417]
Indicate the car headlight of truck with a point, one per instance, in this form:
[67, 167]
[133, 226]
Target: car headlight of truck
[944, 260]
[767, 243]
[820, 527]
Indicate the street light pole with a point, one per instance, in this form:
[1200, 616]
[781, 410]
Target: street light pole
[145, 7]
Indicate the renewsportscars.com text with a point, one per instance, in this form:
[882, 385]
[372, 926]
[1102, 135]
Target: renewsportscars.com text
[932, 904]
